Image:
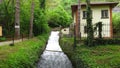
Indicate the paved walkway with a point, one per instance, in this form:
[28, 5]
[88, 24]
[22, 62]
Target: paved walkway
[53, 56]
[9, 42]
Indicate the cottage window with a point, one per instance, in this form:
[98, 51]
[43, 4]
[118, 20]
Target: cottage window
[104, 14]
[85, 14]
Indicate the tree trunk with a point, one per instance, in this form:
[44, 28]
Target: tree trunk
[31, 20]
[17, 19]
[79, 8]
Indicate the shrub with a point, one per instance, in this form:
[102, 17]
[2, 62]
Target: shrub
[102, 41]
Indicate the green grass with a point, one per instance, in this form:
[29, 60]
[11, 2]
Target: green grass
[24, 54]
[107, 56]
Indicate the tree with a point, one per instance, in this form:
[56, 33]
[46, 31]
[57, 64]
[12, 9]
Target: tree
[17, 19]
[60, 14]
[89, 25]
[79, 8]
[31, 20]
[40, 24]
[58, 17]
[7, 16]
[9, 12]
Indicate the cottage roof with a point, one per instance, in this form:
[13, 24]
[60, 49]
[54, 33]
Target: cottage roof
[113, 4]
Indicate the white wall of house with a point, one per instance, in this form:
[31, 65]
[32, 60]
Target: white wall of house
[96, 14]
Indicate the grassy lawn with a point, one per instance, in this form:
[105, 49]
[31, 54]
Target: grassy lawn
[107, 56]
[24, 54]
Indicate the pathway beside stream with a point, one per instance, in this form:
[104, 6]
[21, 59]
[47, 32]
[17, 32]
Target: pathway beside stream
[53, 56]
[9, 42]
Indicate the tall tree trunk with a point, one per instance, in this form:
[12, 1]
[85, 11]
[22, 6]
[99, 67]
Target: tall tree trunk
[31, 20]
[79, 9]
[17, 19]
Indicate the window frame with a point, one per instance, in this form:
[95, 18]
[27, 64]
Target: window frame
[104, 14]
[84, 14]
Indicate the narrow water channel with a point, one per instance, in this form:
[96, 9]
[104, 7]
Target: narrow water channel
[53, 56]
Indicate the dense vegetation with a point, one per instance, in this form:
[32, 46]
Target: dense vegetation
[59, 15]
[91, 57]
[7, 15]
[116, 23]
[24, 54]
[55, 12]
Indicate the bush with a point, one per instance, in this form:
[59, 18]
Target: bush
[107, 41]
[102, 41]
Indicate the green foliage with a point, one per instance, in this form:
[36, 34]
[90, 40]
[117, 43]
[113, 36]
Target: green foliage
[58, 13]
[107, 41]
[40, 25]
[58, 17]
[6, 16]
[116, 22]
[42, 4]
[67, 5]
[91, 57]
[90, 36]
[24, 16]
[67, 46]
[24, 54]
[7, 11]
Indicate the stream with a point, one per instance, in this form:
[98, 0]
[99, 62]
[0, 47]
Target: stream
[53, 56]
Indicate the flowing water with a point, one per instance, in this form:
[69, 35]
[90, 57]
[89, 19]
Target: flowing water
[53, 56]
